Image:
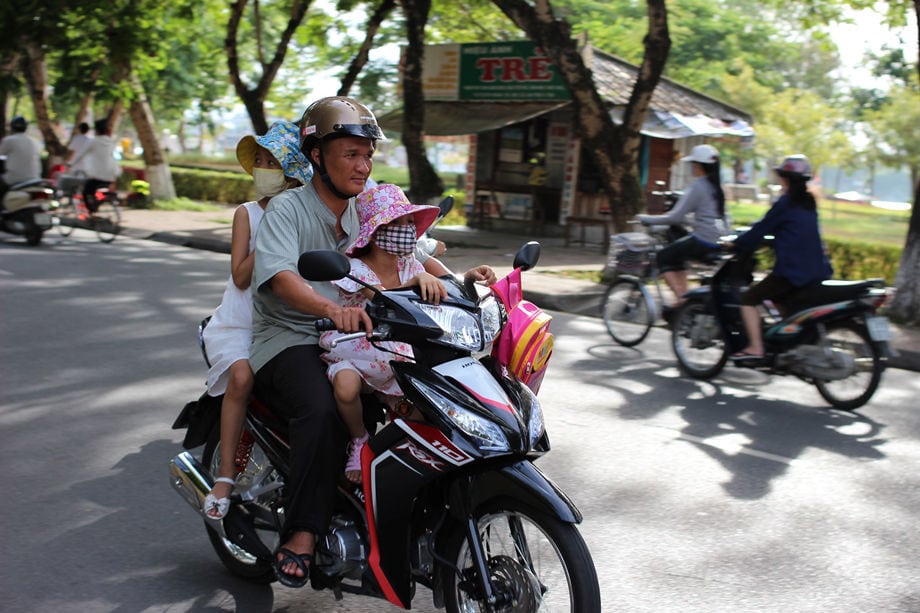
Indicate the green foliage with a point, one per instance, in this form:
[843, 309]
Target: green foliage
[857, 260]
[187, 204]
[895, 124]
[213, 186]
[842, 221]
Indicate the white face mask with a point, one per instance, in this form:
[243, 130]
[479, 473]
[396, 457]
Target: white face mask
[268, 182]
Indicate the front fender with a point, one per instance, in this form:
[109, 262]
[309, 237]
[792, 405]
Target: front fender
[522, 481]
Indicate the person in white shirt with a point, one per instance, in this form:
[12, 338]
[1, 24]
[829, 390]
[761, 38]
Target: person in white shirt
[98, 161]
[23, 155]
[77, 146]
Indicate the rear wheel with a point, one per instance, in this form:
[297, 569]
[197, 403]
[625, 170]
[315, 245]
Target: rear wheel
[34, 237]
[236, 559]
[536, 563]
[697, 340]
[628, 312]
[851, 342]
[106, 221]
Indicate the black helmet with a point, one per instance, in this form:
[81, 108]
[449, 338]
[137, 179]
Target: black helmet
[18, 124]
[336, 116]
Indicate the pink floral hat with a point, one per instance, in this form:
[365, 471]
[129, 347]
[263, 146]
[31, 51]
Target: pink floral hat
[382, 204]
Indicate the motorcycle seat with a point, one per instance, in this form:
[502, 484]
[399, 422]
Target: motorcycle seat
[26, 183]
[833, 291]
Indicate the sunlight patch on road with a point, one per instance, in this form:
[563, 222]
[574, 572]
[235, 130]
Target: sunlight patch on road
[734, 444]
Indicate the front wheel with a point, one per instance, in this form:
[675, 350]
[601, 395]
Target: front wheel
[697, 340]
[851, 342]
[628, 312]
[34, 237]
[536, 563]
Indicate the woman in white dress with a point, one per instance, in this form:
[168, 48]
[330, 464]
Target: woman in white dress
[275, 163]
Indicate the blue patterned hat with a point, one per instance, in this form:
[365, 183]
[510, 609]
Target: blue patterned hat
[283, 141]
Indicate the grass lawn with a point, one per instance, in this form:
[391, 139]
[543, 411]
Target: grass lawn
[843, 221]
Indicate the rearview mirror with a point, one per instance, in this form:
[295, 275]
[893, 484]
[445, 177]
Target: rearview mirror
[322, 265]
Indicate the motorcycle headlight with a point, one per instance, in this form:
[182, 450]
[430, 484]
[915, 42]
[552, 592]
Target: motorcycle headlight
[493, 318]
[535, 425]
[461, 328]
[486, 434]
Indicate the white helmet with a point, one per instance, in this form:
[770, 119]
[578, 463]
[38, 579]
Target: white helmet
[703, 154]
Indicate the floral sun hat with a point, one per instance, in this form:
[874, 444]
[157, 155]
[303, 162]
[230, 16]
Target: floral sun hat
[283, 141]
[382, 204]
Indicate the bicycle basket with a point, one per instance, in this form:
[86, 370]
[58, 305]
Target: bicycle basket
[629, 253]
[70, 184]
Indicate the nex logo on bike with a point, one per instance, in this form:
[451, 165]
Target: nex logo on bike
[420, 455]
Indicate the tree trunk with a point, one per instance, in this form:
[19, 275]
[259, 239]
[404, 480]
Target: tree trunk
[424, 182]
[615, 149]
[158, 175]
[905, 307]
[253, 98]
[36, 75]
[357, 63]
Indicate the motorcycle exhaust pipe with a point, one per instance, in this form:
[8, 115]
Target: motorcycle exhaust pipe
[190, 479]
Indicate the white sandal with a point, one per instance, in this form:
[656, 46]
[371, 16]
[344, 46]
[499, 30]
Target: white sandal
[220, 505]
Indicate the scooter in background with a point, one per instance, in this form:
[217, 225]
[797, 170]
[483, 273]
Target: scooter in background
[25, 207]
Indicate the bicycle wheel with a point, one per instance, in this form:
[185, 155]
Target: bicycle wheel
[67, 215]
[107, 221]
[628, 311]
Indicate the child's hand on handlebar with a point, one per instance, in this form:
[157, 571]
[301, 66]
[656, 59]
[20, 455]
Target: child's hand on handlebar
[430, 287]
[482, 274]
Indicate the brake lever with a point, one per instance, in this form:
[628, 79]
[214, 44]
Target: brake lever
[380, 334]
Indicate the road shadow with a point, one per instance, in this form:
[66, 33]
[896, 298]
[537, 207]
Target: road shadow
[755, 437]
[136, 546]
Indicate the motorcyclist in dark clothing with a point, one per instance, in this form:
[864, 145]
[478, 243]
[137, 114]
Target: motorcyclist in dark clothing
[800, 257]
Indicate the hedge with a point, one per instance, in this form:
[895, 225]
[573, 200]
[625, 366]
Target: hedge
[209, 185]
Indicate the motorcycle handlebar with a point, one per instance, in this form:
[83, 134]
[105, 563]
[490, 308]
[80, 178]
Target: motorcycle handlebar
[324, 325]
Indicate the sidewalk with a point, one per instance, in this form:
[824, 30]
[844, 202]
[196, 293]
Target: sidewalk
[467, 247]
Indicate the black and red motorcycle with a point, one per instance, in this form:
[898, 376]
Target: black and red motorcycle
[452, 501]
[827, 334]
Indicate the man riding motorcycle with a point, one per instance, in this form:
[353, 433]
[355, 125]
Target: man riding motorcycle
[338, 136]
[23, 156]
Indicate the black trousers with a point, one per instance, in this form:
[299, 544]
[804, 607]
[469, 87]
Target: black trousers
[299, 386]
[89, 192]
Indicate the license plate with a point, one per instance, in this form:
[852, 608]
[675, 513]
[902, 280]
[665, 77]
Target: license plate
[878, 327]
[42, 220]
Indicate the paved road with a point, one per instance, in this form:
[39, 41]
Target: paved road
[740, 494]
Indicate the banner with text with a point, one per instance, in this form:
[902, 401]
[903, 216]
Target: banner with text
[516, 70]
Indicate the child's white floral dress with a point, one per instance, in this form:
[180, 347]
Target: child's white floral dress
[371, 363]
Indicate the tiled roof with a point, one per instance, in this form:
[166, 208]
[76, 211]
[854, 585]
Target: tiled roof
[614, 79]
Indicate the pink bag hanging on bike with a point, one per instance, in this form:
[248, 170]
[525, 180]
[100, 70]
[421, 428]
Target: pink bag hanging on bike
[525, 343]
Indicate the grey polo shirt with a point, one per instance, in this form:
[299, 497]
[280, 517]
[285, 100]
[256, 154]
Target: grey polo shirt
[295, 221]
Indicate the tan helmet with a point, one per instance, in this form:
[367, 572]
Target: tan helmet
[336, 116]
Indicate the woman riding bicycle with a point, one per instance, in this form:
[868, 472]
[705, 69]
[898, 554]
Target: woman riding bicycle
[705, 201]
